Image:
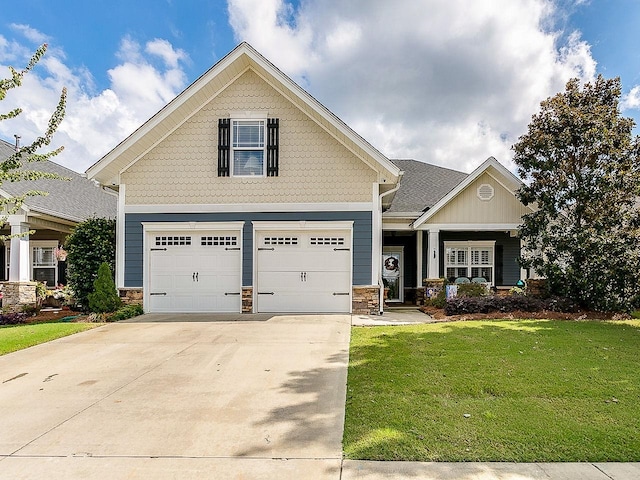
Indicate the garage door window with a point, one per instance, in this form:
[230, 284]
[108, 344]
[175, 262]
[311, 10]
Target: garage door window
[173, 241]
[218, 241]
[326, 240]
[281, 240]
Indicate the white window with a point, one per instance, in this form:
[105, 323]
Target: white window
[247, 146]
[473, 260]
[44, 264]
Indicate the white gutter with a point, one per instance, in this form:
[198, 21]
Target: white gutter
[380, 282]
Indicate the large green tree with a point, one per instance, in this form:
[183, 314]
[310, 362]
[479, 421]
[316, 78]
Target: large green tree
[581, 166]
[91, 243]
[11, 168]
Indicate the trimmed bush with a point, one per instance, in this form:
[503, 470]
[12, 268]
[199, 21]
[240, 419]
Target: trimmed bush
[511, 303]
[105, 296]
[128, 311]
[13, 318]
[469, 290]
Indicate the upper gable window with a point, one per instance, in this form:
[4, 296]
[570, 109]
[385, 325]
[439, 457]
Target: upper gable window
[247, 148]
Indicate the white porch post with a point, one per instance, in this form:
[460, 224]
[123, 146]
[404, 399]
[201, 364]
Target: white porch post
[434, 254]
[419, 247]
[19, 267]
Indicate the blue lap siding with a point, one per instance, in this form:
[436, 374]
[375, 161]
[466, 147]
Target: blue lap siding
[362, 238]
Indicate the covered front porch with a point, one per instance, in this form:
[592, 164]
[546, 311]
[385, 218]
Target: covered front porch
[409, 257]
[32, 253]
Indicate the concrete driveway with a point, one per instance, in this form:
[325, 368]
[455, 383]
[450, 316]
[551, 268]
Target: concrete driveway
[162, 397]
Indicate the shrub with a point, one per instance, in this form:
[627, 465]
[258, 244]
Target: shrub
[105, 296]
[128, 311]
[516, 291]
[469, 290]
[13, 318]
[511, 303]
[91, 243]
[30, 310]
[439, 300]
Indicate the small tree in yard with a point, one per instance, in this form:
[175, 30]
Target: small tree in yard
[104, 298]
[581, 167]
[11, 168]
[91, 243]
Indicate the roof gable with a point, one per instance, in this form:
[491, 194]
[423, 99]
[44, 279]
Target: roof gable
[107, 170]
[491, 166]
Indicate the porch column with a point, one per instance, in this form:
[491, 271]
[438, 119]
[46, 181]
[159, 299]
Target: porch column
[19, 267]
[419, 247]
[434, 254]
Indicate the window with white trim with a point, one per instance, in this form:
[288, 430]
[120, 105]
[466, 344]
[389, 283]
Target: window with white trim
[473, 260]
[247, 148]
[44, 264]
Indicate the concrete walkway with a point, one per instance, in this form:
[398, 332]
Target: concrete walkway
[208, 396]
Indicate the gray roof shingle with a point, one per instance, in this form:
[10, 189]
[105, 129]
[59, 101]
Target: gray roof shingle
[76, 199]
[422, 186]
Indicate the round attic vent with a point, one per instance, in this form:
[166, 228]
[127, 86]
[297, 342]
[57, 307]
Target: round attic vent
[485, 192]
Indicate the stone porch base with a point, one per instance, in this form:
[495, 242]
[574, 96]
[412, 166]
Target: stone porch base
[130, 296]
[15, 295]
[366, 300]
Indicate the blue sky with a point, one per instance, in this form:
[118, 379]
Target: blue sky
[443, 82]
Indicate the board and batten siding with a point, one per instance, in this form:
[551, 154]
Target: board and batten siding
[362, 238]
[466, 207]
[183, 167]
[510, 251]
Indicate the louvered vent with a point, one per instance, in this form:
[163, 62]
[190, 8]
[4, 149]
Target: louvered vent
[485, 192]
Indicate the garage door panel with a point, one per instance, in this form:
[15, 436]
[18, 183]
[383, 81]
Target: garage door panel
[312, 273]
[192, 273]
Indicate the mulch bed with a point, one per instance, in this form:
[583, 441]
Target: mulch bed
[438, 314]
[55, 315]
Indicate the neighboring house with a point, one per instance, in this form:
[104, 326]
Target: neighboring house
[246, 194]
[52, 217]
[444, 223]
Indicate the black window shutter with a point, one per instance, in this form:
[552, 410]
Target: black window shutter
[272, 146]
[499, 264]
[224, 141]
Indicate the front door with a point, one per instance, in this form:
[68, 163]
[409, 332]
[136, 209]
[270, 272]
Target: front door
[392, 273]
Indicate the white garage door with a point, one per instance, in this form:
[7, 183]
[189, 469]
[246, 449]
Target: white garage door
[304, 271]
[194, 272]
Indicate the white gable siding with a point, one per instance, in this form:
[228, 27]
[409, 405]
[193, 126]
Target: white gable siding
[182, 168]
[467, 208]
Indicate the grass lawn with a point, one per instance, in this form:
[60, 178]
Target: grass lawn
[525, 391]
[17, 337]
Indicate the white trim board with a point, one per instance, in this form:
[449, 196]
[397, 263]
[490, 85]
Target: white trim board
[251, 207]
[477, 227]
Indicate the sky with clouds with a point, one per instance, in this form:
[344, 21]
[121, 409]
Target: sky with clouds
[445, 82]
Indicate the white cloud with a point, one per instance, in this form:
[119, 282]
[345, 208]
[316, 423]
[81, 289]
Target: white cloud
[632, 99]
[444, 82]
[29, 33]
[95, 121]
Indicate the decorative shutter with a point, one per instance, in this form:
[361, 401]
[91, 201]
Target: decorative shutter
[499, 264]
[224, 142]
[272, 146]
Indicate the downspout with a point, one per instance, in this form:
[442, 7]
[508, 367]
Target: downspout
[380, 282]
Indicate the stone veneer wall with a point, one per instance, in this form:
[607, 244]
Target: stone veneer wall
[366, 300]
[17, 294]
[131, 296]
[247, 299]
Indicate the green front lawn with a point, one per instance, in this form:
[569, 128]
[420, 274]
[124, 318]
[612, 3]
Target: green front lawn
[17, 337]
[524, 391]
